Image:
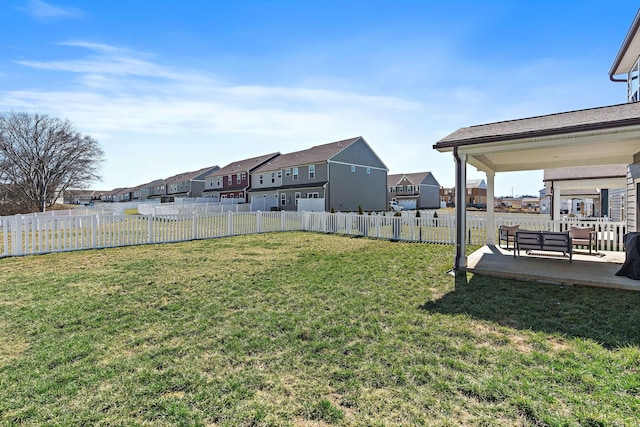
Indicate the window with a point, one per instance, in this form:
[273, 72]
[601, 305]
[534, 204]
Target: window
[297, 196]
[244, 176]
[468, 191]
[273, 177]
[279, 174]
[283, 199]
[238, 181]
[409, 188]
[353, 168]
[287, 172]
[368, 171]
[400, 188]
[312, 171]
[313, 195]
[295, 174]
[219, 181]
[261, 179]
[230, 179]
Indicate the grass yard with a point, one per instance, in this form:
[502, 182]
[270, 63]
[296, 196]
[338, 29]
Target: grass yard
[305, 329]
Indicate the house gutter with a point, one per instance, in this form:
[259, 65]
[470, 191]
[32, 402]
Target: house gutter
[625, 46]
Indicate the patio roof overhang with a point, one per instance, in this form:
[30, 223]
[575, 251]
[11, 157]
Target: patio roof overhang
[599, 136]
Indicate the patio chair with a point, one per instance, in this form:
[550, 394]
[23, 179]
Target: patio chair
[508, 234]
[584, 236]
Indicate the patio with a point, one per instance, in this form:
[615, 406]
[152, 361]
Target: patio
[595, 270]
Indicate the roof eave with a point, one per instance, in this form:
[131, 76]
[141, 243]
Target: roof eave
[631, 34]
[449, 145]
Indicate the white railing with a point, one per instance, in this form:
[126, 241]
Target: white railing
[24, 235]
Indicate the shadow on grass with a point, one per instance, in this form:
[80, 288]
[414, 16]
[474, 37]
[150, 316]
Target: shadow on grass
[609, 317]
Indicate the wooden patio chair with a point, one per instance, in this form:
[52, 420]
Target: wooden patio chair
[584, 236]
[507, 233]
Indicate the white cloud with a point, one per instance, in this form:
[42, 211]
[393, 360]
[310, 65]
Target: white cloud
[126, 100]
[43, 11]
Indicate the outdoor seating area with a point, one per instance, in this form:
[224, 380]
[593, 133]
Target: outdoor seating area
[544, 241]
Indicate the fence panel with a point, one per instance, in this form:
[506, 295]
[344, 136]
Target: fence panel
[32, 234]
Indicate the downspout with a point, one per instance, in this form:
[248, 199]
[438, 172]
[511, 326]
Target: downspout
[459, 213]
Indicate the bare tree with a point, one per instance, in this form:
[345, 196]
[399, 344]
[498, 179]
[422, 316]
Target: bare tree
[41, 157]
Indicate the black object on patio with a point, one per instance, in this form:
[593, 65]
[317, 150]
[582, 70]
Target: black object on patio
[631, 266]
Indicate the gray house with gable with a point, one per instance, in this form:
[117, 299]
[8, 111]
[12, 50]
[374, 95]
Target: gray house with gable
[346, 174]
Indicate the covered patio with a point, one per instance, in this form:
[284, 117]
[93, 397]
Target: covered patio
[598, 136]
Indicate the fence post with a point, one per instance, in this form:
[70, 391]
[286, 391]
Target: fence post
[229, 223]
[194, 221]
[259, 221]
[17, 236]
[282, 221]
[150, 219]
[94, 219]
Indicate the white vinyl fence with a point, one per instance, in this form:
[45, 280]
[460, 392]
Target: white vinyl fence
[24, 235]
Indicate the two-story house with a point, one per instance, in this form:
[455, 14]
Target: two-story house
[346, 174]
[234, 180]
[476, 194]
[418, 190]
[188, 184]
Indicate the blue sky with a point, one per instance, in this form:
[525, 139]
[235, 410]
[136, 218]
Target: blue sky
[174, 86]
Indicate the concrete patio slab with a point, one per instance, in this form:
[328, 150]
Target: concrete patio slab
[596, 270]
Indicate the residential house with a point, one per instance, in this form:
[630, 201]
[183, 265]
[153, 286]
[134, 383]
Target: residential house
[475, 194]
[345, 174]
[82, 197]
[418, 190]
[142, 192]
[186, 184]
[585, 189]
[234, 180]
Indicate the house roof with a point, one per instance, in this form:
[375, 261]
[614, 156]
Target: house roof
[476, 183]
[608, 117]
[188, 176]
[629, 51]
[246, 165]
[585, 172]
[595, 136]
[414, 178]
[317, 154]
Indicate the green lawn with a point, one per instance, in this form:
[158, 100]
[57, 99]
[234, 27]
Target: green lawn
[306, 329]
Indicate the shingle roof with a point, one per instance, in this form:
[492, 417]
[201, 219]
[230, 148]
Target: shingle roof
[553, 124]
[246, 165]
[415, 178]
[187, 176]
[317, 154]
[585, 172]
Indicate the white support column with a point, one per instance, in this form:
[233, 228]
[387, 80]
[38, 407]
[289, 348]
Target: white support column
[461, 211]
[556, 208]
[491, 220]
